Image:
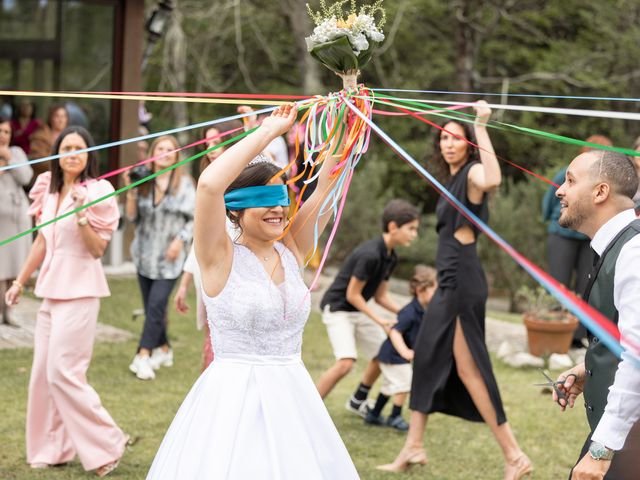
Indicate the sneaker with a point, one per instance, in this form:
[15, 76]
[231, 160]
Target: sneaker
[373, 419]
[398, 423]
[141, 366]
[160, 358]
[360, 408]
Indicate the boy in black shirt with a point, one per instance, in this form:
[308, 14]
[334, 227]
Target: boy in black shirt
[348, 318]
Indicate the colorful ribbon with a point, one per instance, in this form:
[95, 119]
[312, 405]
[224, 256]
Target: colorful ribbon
[125, 188]
[145, 97]
[140, 138]
[463, 117]
[597, 323]
[525, 95]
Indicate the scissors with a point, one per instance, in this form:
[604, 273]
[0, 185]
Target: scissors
[561, 395]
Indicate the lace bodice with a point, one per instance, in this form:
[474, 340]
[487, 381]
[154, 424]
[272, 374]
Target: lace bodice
[254, 316]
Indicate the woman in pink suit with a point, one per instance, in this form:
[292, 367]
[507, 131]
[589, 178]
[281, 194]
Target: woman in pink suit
[64, 413]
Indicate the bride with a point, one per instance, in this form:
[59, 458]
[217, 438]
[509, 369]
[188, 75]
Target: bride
[255, 412]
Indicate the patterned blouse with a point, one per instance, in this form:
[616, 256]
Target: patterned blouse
[157, 227]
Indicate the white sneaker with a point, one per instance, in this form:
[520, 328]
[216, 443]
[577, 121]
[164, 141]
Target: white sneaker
[160, 358]
[362, 409]
[141, 366]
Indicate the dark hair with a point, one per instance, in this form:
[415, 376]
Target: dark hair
[253, 175]
[16, 111]
[5, 119]
[399, 211]
[617, 170]
[423, 276]
[53, 109]
[439, 166]
[91, 169]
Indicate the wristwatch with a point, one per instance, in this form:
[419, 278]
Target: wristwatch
[82, 221]
[599, 452]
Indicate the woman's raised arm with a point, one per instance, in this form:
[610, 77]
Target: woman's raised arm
[487, 176]
[211, 241]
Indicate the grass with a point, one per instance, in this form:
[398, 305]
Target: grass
[456, 449]
[506, 316]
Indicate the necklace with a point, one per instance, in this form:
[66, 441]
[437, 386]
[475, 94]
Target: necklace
[260, 256]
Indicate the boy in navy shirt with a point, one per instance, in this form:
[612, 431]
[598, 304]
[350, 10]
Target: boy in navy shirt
[351, 323]
[396, 352]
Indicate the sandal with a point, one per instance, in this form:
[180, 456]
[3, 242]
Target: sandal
[105, 470]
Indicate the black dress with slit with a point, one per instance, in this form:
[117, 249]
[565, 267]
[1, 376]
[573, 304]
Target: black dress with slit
[462, 293]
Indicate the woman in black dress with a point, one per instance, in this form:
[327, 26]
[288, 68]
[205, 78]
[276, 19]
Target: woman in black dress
[452, 370]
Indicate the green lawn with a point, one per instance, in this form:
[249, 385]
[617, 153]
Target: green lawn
[506, 316]
[456, 449]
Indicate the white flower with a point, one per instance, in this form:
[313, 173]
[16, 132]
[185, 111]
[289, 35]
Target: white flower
[361, 30]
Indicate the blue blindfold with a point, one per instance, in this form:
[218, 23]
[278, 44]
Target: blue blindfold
[258, 196]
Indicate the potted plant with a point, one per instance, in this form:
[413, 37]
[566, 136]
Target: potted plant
[549, 326]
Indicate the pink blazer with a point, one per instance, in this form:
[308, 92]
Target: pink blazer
[69, 271]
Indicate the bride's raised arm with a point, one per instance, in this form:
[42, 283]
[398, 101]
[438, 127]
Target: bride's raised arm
[211, 242]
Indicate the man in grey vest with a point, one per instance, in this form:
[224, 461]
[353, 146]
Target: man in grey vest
[596, 199]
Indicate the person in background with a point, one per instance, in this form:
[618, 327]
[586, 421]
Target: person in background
[24, 124]
[13, 215]
[452, 370]
[57, 121]
[191, 272]
[276, 150]
[42, 140]
[352, 325]
[636, 164]
[65, 417]
[163, 214]
[568, 253]
[396, 353]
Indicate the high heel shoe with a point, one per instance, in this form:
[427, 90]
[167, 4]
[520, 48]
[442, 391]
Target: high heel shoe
[105, 470]
[404, 460]
[517, 468]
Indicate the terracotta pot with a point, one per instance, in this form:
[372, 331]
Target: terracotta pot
[549, 336]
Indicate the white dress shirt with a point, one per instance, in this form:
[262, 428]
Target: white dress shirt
[623, 401]
[279, 151]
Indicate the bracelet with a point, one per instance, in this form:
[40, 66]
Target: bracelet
[16, 283]
[82, 221]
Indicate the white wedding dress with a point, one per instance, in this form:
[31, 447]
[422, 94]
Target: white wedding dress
[255, 412]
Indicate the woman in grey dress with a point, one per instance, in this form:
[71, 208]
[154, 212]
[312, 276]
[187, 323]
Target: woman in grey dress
[13, 214]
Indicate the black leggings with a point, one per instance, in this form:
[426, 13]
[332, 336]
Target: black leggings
[155, 295]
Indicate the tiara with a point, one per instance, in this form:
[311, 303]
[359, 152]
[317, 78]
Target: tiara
[260, 158]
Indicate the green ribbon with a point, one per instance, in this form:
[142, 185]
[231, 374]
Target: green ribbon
[128, 187]
[419, 107]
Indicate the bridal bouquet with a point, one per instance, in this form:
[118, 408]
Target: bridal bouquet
[345, 46]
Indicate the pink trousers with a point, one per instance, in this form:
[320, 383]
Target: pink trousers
[64, 413]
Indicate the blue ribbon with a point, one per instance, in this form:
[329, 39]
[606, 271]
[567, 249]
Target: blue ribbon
[605, 337]
[258, 196]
